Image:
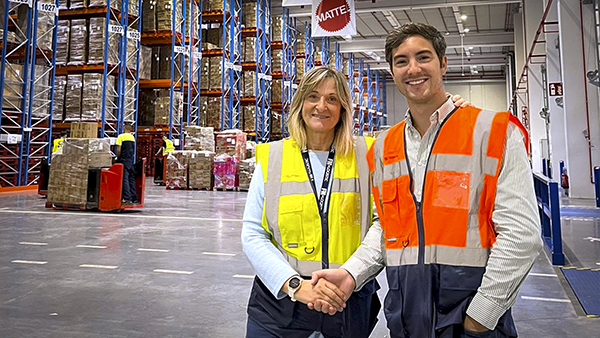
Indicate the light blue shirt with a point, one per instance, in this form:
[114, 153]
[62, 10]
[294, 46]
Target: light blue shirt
[268, 262]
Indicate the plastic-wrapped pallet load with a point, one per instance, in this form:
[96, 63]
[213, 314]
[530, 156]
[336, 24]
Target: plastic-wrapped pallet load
[276, 90]
[277, 60]
[205, 73]
[60, 83]
[275, 122]
[177, 168]
[225, 171]
[13, 87]
[165, 63]
[164, 15]
[68, 181]
[248, 84]
[134, 8]
[249, 48]
[200, 165]
[91, 102]
[216, 71]
[249, 14]
[145, 63]
[277, 28]
[214, 35]
[203, 113]
[146, 107]
[300, 62]
[129, 115]
[215, 5]
[231, 142]
[96, 47]
[250, 149]
[45, 25]
[300, 41]
[73, 98]
[246, 169]
[78, 43]
[161, 109]
[41, 91]
[62, 42]
[149, 15]
[116, 4]
[213, 113]
[155, 61]
[132, 49]
[200, 138]
[249, 118]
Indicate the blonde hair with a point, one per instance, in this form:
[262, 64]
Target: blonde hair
[343, 140]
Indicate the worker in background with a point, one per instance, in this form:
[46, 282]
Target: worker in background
[166, 148]
[125, 153]
[58, 143]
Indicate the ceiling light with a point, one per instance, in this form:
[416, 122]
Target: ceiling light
[474, 66]
[463, 17]
[447, 33]
[466, 30]
[470, 47]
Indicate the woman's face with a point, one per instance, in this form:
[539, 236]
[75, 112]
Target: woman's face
[322, 108]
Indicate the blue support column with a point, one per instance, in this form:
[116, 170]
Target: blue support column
[370, 103]
[339, 58]
[558, 258]
[195, 62]
[309, 48]
[231, 65]
[325, 51]
[377, 125]
[263, 72]
[361, 97]
[384, 95]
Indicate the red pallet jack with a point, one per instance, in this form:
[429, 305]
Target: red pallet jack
[105, 188]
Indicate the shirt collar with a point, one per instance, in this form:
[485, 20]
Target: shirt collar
[438, 116]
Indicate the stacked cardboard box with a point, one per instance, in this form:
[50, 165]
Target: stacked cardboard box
[164, 20]
[249, 118]
[145, 63]
[213, 113]
[200, 164]
[215, 5]
[58, 106]
[73, 98]
[78, 4]
[249, 49]
[216, 70]
[250, 149]
[249, 14]
[62, 42]
[246, 169]
[277, 28]
[149, 15]
[204, 73]
[68, 179]
[177, 165]
[84, 130]
[41, 91]
[199, 138]
[275, 123]
[276, 90]
[225, 171]
[248, 83]
[91, 100]
[214, 35]
[116, 4]
[277, 60]
[300, 62]
[78, 42]
[231, 142]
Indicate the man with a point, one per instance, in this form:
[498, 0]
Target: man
[454, 195]
[125, 155]
[58, 143]
[166, 147]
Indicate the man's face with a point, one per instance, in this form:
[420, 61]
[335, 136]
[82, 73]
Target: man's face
[417, 70]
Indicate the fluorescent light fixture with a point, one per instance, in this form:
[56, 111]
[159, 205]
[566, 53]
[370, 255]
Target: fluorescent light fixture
[466, 30]
[470, 47]
[463, 17]
[447, 33]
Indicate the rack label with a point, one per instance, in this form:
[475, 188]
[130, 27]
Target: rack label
[117, 29]
[133, 35]
[294, 86]
[237, 68]
[371, 111]
[48, 8]
[27, 2]
[198, 56]
[27, 130]
[181, 50]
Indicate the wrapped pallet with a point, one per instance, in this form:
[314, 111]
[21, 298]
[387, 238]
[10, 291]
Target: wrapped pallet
[215, 36]
[249, 118]
[200, 165]
[58, 107]
[155, 62]
[91, 106]
[165, 63]
[134, 8]
[146, 107]
[13, 87]
[145, 63]
[73, 98]
[205, 73]
[78, 43]
[249, 84]
[249, 14]
[132, 48]
[275, 122]
[216, 71]
[277, 28]
[225, 171]
[277, 60]
[200, 138]
[96, 48]
[300, 63]
[215, 5]
[149, 15]
[246, 169]
[249, 49]
[231, 142]
[177, 167]
[68, 181]
[115, 4]
[41, 91]
[276, 90]
[164, 15]
[203, 111]
[213, 113]
[129, 114]
[62, 42]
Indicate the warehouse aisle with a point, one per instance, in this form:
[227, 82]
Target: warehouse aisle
[173, 269]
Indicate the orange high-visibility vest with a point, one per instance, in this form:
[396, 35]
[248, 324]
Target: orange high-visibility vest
[452, 224]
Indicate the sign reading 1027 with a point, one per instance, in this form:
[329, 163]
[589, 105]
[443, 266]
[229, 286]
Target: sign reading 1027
[47, 7]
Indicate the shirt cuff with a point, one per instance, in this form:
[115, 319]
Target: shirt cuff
[356, 268]
[484, 311]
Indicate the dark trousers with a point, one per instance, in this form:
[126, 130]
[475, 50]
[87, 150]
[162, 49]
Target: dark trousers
[129, 184]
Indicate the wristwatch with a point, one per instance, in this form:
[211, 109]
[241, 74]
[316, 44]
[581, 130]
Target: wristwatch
[293, 286]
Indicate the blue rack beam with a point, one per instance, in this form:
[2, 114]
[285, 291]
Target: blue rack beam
[262, 122]
[309, 48]
[231, 64]
[361, 97]
[370, 104]
[194, 66]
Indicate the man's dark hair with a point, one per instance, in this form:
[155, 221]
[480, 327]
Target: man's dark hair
[430, 33]
[63, 133]
[127, 127]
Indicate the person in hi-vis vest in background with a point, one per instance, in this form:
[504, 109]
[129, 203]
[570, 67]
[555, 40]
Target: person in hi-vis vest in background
[458, 229]
[58, 143]
[125, 155]
[309, 207]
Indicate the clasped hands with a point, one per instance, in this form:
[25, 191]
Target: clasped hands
[327, 291]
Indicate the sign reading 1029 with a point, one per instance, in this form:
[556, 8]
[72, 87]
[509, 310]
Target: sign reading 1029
[133, 35]
[48, 8]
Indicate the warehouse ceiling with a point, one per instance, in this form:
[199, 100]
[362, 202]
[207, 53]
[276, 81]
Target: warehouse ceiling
[477, 44]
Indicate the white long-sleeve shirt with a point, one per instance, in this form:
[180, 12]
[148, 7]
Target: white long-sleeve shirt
[515, 217]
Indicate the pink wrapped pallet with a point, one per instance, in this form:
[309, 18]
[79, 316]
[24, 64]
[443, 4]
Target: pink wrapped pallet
[225, 171]
[231, 142]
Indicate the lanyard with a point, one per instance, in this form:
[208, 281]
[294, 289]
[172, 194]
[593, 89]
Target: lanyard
[322, 195]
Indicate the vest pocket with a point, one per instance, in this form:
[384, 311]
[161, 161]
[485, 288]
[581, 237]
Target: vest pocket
[350, 209]
[291, 222]
[391, 214]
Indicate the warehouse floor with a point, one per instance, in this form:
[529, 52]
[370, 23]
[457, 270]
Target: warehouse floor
[176, 269]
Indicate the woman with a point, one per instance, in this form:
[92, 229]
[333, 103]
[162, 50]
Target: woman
[309, 206]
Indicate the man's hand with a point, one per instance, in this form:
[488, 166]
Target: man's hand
[459, 101]
[472, 325]
[309, 293]
[341, 278]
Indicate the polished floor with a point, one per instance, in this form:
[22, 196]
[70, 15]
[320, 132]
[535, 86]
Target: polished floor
[176, 269]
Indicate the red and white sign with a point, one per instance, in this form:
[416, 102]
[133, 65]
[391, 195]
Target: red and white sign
[286, 3]
[333, 18]
[555, 89]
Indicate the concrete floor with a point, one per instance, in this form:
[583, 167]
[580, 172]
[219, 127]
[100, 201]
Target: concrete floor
[176, 269]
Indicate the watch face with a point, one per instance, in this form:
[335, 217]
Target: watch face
[294, 282]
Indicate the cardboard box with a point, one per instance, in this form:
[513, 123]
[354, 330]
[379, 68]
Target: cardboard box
[84, 130]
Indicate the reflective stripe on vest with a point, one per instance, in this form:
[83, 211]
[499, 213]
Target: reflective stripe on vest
[290, 212]
[458, 192]
[169, 147]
